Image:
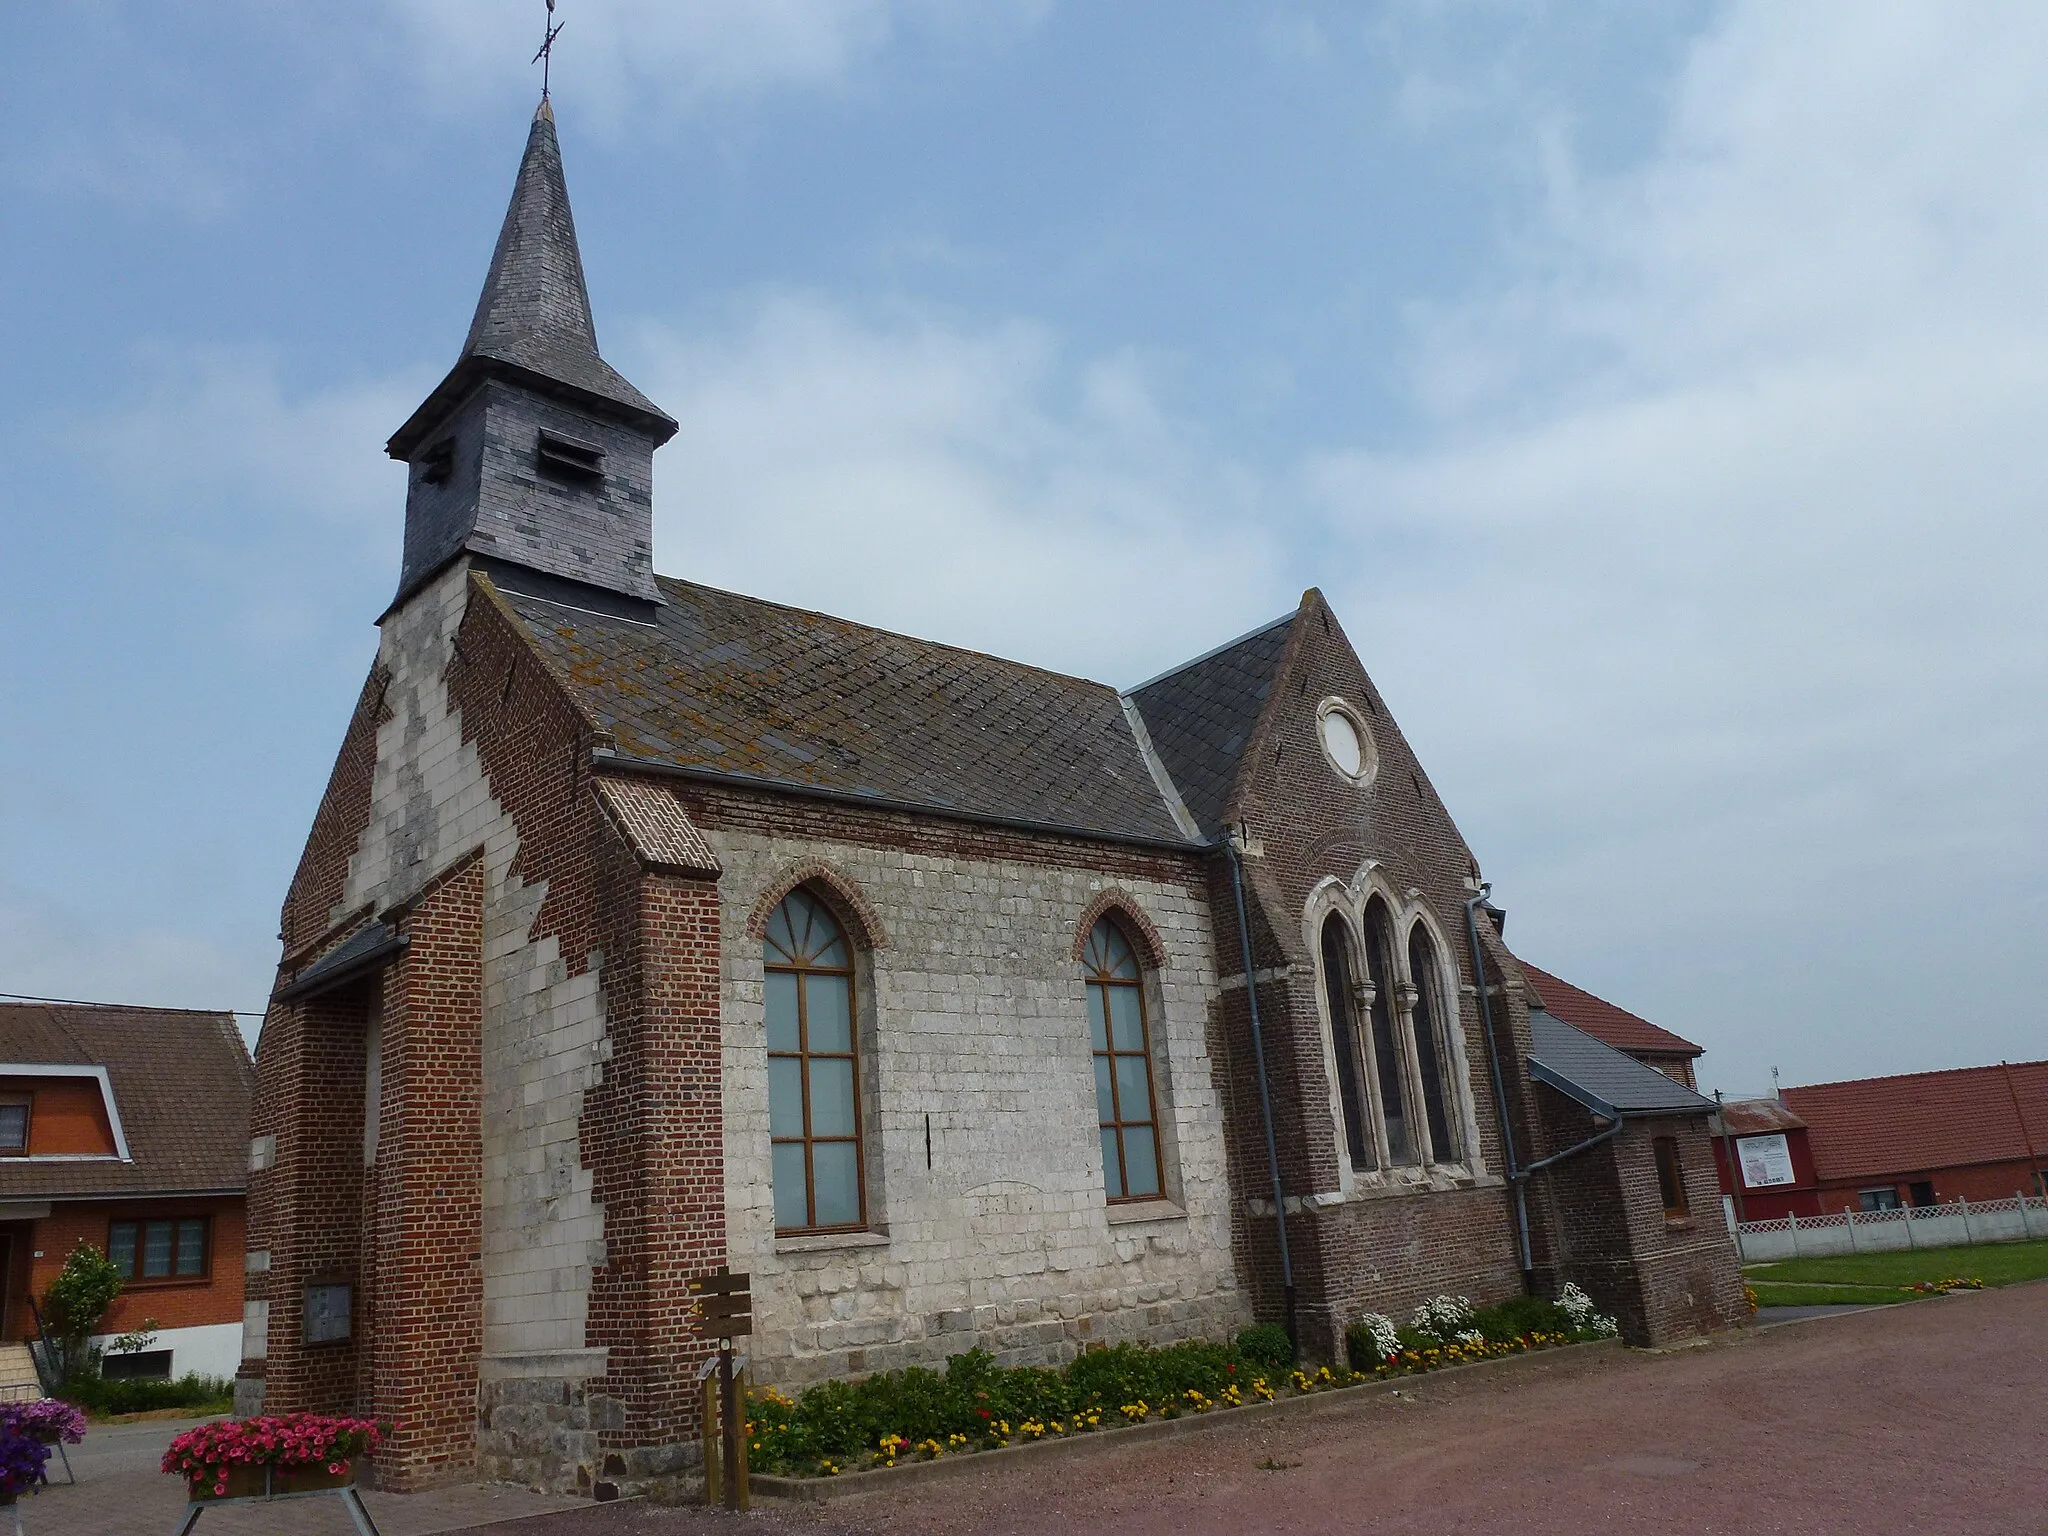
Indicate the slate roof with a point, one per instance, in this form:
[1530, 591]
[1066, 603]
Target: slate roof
[1601, 1077]
[182, 1085]
[738, 687]
[533, 319]
[1601, 1019]
[1922, 1121]
[1200, 716]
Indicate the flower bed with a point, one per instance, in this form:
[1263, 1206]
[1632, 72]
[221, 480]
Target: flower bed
[975, 1405]
[306, 1450]
[1944, 1286]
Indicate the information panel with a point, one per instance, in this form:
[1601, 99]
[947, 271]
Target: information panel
[1766, 1160]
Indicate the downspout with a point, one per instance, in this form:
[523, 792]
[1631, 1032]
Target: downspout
[1251, 992]
[1500, 1091]
[1594, 1140]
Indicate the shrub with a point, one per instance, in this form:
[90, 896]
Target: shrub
[204, 1394]
[1520, 1316]
[1266, 1346]
[76, 1303]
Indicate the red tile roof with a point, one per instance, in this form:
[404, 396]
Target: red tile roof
[1925, 1120]
[182, 1084]
[1603, 1021]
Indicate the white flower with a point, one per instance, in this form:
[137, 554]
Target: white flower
[1471, 1336]
[1385, 1338]
[1443, 1316]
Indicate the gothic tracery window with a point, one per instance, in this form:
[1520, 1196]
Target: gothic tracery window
[1132, 1167]
[1431, 1018]
[814, 1121]
[1388, 1068]
[1338, 988]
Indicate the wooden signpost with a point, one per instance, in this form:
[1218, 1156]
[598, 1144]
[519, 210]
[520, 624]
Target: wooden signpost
[725, 1311]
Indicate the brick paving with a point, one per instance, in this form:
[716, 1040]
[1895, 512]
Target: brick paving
[1892, 1420]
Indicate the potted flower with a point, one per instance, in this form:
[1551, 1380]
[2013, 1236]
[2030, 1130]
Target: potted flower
[22, 1456]
[269, 1457]
[52, 1421]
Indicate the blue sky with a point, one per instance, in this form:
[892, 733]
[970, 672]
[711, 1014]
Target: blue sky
[1654, 388]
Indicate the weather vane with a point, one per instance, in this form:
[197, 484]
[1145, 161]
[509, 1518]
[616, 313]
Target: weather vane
[546, 57]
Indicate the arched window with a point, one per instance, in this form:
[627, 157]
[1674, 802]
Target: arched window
[1431, 1018]
[813, 1069]
[1344, 1037]
[1131, 1165]
[1387, 1067]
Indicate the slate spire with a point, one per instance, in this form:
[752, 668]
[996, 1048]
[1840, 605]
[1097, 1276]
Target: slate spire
[533, 458]
[533, 320]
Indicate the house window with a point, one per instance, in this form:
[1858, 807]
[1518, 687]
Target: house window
[159, 1250]
[1877, 1199]
[1670, 1177]
[14, 1128]
[1344, 1036]
[1430, 1019]
[1922, 1192]
[814, 1122]
[1132, 1168]
[1387, 1063]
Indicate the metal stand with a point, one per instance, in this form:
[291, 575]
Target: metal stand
[351, 1500]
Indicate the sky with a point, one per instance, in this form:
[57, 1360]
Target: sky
[1655, 389]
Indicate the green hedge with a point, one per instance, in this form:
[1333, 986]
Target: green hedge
[103, 1398]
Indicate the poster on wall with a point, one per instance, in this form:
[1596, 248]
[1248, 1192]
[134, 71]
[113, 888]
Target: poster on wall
[1766, 1160]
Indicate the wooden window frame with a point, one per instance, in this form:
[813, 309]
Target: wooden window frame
[1671, 1180]
[27, 1101]
[154, 1282]
[803, 1055]
[1106, 979]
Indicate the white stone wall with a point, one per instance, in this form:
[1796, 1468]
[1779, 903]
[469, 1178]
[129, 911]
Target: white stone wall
[974, 1015]
[544, 1038]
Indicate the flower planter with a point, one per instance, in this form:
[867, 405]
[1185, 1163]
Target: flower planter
[268, 1482]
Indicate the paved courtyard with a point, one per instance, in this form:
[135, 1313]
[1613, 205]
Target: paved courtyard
[1925, 1417]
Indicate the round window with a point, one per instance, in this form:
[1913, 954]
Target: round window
[1342, 741]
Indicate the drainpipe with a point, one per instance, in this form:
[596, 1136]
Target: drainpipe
[1613, 1130]
[1500, 1091]
[1251, 992]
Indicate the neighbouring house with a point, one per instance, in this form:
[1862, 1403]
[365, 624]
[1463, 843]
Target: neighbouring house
[1883, 1143]
[1651, 1044]
[128, 1128]
[645, 928]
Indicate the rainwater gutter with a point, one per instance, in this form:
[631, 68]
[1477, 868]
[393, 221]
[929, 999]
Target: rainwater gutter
[1516, 1177]
[1251, 993]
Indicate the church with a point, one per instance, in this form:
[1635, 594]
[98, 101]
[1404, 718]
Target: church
[645, 928]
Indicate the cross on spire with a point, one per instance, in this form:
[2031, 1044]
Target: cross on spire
[546, 57]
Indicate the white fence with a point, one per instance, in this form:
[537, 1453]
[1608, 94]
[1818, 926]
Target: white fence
[1927, 1226]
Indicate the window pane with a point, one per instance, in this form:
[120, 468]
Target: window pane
[1126, 1023]
[1133, 1096]
[781, 996]
[781, 942]
[121, 1248]
[1112, 954]
[789, 1185]
[834, 953]
[1105, 1108]
[1141, 1161]
[836, 1166]
[156, 1248]
[831, 1096]
[1343, 1039]
[191, 1247]
[1098, 1025]
[828, 1013]
[1429, 1062]
[13, 1127]
[785, 1096]
[1112, 1164]
[1386, 1057]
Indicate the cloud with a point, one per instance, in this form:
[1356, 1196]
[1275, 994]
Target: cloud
[628, 58]
[137, 168]
[1736, 492]
[969, 482]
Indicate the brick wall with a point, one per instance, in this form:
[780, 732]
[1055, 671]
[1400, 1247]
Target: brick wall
[215, 1299]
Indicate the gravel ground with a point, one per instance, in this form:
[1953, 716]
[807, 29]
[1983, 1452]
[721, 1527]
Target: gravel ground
[1890, 1420]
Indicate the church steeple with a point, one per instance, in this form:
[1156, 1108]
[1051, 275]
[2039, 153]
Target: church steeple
[534, 453]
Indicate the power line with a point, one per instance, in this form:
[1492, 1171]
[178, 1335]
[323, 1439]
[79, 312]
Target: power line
[87, 1002]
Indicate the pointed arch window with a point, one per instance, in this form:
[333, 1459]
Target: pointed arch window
[1338, 987]
[1132, 1167]
[1388, 1071]
[814, 1121]
[1431, 1046]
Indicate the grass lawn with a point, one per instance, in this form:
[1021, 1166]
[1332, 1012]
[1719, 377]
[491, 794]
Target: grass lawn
[1769, 1295]
[1993, 1263]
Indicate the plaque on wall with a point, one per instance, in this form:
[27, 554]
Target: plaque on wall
[327, 1312]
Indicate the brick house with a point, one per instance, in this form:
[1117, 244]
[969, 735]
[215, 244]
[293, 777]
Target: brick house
[1882, 1143]
[127, 1128]
[645, 927]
